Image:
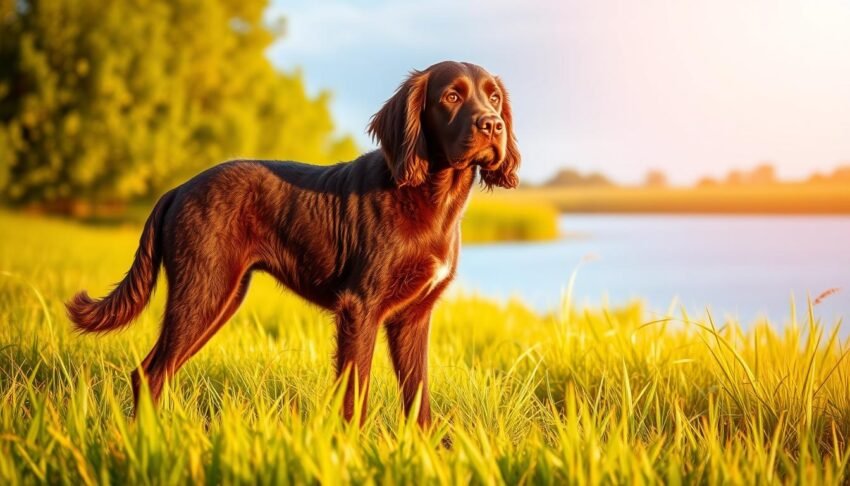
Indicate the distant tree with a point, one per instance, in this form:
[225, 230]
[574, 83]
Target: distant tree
[596, 179]
[841, 174]
[707, 182]
[817, 178]
[655, 178]
[762, 175]
[568, 177]
[105, 100]
[565, 177]
[735, 177]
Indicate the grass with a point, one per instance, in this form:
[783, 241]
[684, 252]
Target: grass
[587, 395]
[488, 219]
[781, 199]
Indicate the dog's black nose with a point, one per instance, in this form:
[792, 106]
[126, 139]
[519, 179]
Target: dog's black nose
[490, 124]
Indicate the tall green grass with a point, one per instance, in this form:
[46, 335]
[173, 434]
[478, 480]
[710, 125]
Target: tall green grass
[588, 395]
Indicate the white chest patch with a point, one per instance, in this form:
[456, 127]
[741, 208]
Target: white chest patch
[441, 272]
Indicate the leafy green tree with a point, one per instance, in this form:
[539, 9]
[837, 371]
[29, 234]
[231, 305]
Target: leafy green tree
[104, 101]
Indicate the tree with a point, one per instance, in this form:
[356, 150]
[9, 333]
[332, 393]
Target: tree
[763, 174]
[655, 178]
[735, 177]
[841, 174]
[568, 177]
[104, 101]
[707, 182]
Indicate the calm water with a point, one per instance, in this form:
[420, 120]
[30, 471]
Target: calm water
[739, 266]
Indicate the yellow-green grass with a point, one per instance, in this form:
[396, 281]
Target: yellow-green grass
[585, 396]
[781, 199]
[489, 219]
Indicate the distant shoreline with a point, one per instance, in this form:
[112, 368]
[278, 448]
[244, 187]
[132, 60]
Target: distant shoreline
[787, 199]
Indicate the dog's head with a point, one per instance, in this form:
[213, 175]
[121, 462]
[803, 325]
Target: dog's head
[449, 115]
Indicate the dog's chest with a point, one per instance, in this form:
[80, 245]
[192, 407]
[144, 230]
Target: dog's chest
[420, 276]
[444, 262]
[421, 273]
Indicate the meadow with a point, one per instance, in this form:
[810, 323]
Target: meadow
[576, 396]
[798, 198]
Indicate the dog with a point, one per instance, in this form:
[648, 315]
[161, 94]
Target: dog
[375, 240]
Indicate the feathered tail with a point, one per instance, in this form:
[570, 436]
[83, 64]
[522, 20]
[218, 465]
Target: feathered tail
[131, 295]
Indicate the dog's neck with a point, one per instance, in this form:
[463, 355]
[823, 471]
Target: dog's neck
[441, 199]
[449, 186]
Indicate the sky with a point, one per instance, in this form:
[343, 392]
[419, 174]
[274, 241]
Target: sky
[692, 88]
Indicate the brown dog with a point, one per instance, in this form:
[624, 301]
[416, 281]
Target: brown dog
[374, 240]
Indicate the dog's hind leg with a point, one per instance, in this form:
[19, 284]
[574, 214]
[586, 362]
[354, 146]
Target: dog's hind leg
[194, 312]
[232, 306]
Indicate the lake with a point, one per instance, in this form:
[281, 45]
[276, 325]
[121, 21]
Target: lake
[737, 266]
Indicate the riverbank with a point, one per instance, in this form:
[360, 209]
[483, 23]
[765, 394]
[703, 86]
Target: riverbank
[779, 199]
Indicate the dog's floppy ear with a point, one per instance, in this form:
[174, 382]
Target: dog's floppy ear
[506, 174]
[398, 129]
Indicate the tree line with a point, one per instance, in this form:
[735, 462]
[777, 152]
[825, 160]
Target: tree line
[105, 102]
[762, 174]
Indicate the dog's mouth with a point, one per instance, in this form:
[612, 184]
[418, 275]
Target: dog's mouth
[486, 153]
[489, 157]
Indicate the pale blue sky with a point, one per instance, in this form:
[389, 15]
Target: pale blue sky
[621, 87]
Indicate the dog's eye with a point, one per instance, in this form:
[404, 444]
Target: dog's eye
[494, 98]
[452, 98]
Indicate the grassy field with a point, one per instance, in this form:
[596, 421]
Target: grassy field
[583, 396]
[782, 199]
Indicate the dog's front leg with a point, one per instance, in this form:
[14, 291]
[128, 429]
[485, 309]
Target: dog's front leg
[356, 332]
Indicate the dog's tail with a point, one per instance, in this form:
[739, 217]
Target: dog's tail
[131, 295]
